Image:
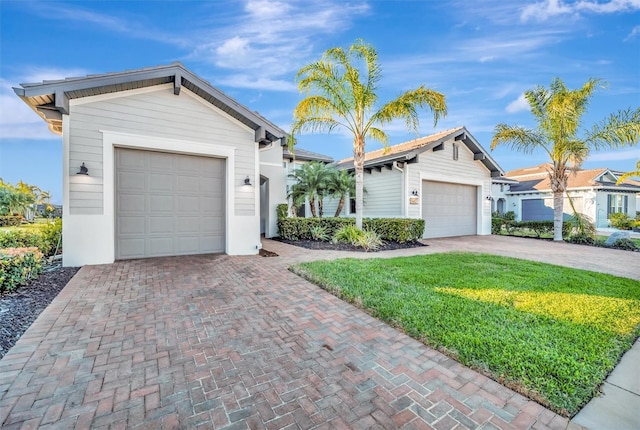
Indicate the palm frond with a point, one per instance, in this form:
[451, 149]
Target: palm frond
[518, 138]
[379, 135]
[627, 175]
[620, 129]
[405, 107]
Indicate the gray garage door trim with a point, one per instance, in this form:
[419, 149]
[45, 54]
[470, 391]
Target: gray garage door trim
[168, 204]
[449, 209]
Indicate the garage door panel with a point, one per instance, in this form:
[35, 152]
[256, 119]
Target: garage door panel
[449, 209]
[168, 204]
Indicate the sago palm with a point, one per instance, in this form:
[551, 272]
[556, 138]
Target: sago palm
[558, 113]
[341, 91]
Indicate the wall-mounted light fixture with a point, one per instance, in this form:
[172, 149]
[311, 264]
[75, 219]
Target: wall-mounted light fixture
[247, 181]
[414, 193]
[489, 198]
[83, 170]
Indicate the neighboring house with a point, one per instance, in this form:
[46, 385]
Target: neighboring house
[174, 166]
[594, 193]
[293, 161]
[444, 178]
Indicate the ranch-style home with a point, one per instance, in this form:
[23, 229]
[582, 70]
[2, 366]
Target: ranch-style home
[444, 178]
[594, 193]
[157, 162]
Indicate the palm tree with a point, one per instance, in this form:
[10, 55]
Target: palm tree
[340, 94]
[632, 174]
[341, 183]
[558, 112]
[311, 179]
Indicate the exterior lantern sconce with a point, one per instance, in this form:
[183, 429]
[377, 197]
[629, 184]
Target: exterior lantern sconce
[414, 193]
[489, 198]
[83, 170]
[247, 181]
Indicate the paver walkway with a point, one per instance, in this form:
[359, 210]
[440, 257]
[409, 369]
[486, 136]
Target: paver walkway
[236, 342]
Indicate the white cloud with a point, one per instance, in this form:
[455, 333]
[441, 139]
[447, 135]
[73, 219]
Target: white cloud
[544, 10]
[635, 31]
[628, 154]
[518, 105]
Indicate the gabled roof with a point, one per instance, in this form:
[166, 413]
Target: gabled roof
[50, 99]
[304, 155]
[408, 151]
[536, 178]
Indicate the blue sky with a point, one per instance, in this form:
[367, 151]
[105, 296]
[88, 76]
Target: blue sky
[481, 54]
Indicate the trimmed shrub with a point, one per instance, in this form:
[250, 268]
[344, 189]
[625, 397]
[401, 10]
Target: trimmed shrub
[537, 227]
[389, 229]
[524, 228]
[45, 238]
[620, 221]
[282, 210]
[10, 221]
[496, 225]
[18, 266]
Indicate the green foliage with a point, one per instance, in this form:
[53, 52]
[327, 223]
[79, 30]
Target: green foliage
[311, 183]
[389, 229]
[496, 225]
[369, 240]
[580, 224]
[10, 221]
[18, 266]
[318, 232]
[620, 221]
[539, 229]
[551, 332]
[583, 239]
[348, 234]
[45, 237]
[282, 211]
[625, 244]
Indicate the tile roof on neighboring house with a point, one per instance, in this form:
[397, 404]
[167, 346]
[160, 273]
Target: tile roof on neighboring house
[536, 178]
[304, 155]
[408, 151]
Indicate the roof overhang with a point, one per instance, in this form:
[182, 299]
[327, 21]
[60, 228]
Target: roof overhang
[50, 99]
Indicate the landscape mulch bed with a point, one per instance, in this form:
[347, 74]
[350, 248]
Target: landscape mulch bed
[20, 308]
[318, 244]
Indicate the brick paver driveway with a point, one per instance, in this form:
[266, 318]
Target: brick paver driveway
[236, 342]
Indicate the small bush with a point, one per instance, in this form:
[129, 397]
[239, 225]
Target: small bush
[369, 241]
[625, 244]
[44, 238]
[539, 228]
[496, 225]
[389, 229]
[582, 239]
[620, 221]
[395, 229]
[18, 266]
[282, 210]
[348, 234]
[10, 221]
[318, 232]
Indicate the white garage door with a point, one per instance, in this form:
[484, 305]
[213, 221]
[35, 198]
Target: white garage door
[449, 209]
[168, 204]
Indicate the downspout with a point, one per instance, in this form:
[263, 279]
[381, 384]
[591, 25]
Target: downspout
[405, 184]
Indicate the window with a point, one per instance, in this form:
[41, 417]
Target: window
[455, 151]
[616, 203]
[352, 205]
[302, 211]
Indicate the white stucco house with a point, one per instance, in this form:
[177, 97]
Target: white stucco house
[158, 162]
[594, 192]
[444, 178]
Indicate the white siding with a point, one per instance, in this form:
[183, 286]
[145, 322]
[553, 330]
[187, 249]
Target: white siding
[158, 113]
[440, 166]
[383, 198]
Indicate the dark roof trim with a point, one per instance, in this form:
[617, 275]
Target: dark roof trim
[411, 156]
[304, 155]
[55, 95]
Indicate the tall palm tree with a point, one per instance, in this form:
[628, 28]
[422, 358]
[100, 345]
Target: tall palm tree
[341, 183]
[558, 112]
[632, 174]
[311, 179]
[342, 92]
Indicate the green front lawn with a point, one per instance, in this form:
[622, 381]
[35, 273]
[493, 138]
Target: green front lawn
[549, 332]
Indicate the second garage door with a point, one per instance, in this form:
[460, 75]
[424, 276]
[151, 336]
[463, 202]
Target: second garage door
[168, 204]
[449, 209]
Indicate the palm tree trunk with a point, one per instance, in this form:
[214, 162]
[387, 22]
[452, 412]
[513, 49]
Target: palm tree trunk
[320, 206]
[340, 206]
[358, 162]
[312, 203]
[558, 213]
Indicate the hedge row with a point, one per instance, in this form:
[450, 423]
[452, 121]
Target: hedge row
[389, 229]
[18, 266]
[46, 239]
[539, 228]
[10, 221]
